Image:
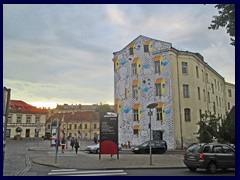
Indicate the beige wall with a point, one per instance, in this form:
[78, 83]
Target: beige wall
[12, 125]
[188, 130]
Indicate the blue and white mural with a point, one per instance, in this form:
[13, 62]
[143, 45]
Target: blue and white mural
[142, 75]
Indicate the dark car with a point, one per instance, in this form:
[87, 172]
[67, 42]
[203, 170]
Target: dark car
[47, 136]
[158, 146]
[210, 157]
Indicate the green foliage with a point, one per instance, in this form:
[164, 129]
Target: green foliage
[102, 110]
[208, 128]
[226, 18]
[227, 128]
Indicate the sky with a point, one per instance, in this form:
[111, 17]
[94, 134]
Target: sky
[63, 53]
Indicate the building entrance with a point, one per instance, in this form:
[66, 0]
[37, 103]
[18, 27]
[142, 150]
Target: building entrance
[157, 135]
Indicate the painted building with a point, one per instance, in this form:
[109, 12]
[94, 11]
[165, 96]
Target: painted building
[82, 125]
[28, 119]
[180, 82]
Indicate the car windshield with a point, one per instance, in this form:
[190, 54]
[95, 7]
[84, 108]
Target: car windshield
[194, 148]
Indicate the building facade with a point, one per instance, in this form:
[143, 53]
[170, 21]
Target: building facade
[83, 125]
[180, 82]
[25, 120]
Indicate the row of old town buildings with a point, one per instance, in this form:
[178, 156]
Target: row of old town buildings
[146, 71]
[81, 121]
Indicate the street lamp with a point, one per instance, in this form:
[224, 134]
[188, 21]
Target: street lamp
[150, 107]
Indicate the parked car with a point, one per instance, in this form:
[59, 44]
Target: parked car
[210, 157]
[95, 148]
[158, 146]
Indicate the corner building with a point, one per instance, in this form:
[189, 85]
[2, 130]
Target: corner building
[181, 83]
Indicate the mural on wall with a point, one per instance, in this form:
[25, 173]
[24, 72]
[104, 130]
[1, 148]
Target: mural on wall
[142, 75]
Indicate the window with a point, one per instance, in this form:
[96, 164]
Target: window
[184, 68]
[158, 89]
[37, 119]
[208, 97]
[80, 126]
[212, 88]
[135, 131]
[75, 126]
[214, 108]
[217, 149]
[19, 119]
[28, 119]
[207, 77]
[157, 67]
[135, 92]
[228, 105]
[85, 126]
[215, 83]
[159, 114]
[218, 86]
[49, 126]
[185, 91]
[134, 69]
[146, 48]
[187, 114]
[135, 115]
[70, 126]
[228, 150]
[199, 95]
[229, 93]
[207, 149]
[9, 118]
[200, 114]
[131, 50]
[217, 100]
[95, 126]
[197, 74]
[202, 75]
[204, 95]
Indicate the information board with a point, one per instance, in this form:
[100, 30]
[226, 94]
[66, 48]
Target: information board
[109, 134]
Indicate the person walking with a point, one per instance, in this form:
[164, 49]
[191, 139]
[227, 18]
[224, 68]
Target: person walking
[76, 145]
[72, 142]
[63, 142]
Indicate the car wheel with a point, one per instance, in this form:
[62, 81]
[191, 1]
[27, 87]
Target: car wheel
[212, 168]
[192, 168]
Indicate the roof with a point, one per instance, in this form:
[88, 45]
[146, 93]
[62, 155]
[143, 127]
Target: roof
[141, 36]
[75, 117]
[18, 106]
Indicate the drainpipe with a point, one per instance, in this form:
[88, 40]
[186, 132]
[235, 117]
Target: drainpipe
[179, 101]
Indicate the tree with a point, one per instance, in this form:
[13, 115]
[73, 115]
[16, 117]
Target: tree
[227, 128]
[226, 18]
[208, 128]
[102, 110]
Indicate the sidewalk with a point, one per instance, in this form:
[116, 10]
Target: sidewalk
[83, 160]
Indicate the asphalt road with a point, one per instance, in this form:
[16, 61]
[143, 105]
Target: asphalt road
[18, 163]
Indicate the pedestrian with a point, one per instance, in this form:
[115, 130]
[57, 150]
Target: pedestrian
[63, 142]
[72, 142]
[76, 145]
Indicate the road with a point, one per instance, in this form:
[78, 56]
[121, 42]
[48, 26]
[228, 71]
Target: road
[18, 162]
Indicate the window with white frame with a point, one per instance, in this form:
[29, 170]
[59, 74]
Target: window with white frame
[158, 89]
[184, 68]
[229, 93]
[19, 118]
[159, 114]
[185, 91]
[28, 120]
[199, 95]
[135, 92]
[157, 67]
[134, 68]
[135, 115]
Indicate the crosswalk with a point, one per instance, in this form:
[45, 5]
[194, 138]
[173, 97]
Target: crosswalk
[75, 172]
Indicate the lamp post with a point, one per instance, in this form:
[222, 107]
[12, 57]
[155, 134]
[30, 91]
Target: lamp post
[150, 107]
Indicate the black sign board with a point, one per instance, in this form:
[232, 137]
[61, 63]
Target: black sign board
[109, 134]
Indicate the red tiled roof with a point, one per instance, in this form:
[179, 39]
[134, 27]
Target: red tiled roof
[18, 106]
[75, 117]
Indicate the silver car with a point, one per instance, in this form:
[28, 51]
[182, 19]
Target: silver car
[95, 148]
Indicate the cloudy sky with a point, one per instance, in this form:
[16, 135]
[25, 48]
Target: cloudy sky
[63, 53]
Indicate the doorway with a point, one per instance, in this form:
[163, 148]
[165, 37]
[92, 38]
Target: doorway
[27, 133]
